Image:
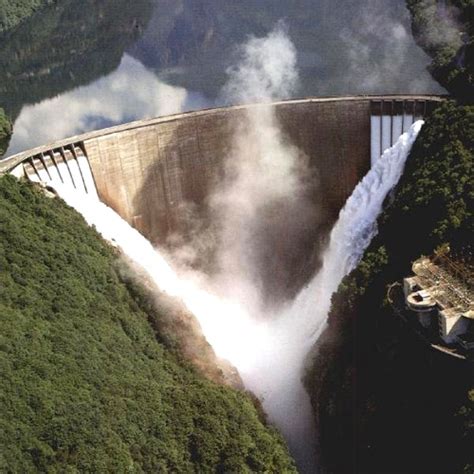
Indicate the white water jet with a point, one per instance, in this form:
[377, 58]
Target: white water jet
[355, 227]
[278, 365]
[224, 323]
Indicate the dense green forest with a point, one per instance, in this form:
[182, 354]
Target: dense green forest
[5, 131]
[384, 400]
[13, 12]
[445, 30]
[87, 384]
[93, 380]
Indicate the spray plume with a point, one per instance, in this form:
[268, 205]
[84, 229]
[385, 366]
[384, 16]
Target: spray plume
[267, 184]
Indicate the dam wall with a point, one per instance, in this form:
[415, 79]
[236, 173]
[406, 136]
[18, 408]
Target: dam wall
[147, 170]
[148, 173]
[158, 174]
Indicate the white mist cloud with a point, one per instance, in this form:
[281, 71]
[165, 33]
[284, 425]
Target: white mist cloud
[266, 70]
[129, 93]
[267, 179]
[381, 51]
[264, 196]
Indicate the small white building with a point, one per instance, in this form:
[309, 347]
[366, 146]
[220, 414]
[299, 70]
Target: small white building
[433, 294]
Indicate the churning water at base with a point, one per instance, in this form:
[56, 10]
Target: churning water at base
[270, 354]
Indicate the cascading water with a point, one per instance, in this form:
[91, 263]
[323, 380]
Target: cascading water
[269, 353]
[279, 360]
[300, 324]
[355, 228]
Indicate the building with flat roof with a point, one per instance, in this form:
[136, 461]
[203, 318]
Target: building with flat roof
[440, 293]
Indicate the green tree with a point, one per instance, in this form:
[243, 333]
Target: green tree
[13, 12]
[5, 132]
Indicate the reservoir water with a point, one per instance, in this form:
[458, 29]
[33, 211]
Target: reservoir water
[74, 68]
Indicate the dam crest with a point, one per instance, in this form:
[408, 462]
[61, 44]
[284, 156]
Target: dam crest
[146, 170]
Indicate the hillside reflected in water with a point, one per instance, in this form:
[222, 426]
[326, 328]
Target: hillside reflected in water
[79, 66]
[344, 47]
[65, 46]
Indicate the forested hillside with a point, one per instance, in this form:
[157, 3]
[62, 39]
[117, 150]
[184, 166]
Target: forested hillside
[66, 45]
[86, 382]
[5, 131]
[445, 30]
[384, 400]
[13, 12]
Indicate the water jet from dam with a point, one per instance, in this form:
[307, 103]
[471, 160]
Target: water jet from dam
[266, 184]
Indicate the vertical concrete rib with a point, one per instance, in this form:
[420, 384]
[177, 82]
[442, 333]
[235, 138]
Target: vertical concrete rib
[32, 164]
[41, 169]
[381, 127]
[41, 158]
[53, 159]
[51, 167]
[403, 116]
[74, 167]
[85, 167]
[391, 123]
[74, 156]
[64, 159]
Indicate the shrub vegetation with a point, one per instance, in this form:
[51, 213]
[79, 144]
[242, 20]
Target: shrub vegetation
[13, 12]
[85, 384]
[5, 132]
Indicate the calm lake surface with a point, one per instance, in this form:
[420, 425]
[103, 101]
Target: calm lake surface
[88, 64]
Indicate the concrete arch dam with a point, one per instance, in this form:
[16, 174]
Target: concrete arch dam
[150, 171]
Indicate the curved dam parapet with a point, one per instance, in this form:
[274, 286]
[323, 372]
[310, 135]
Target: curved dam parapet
[149, 171]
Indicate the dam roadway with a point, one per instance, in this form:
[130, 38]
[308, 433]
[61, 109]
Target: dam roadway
[147, 170]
